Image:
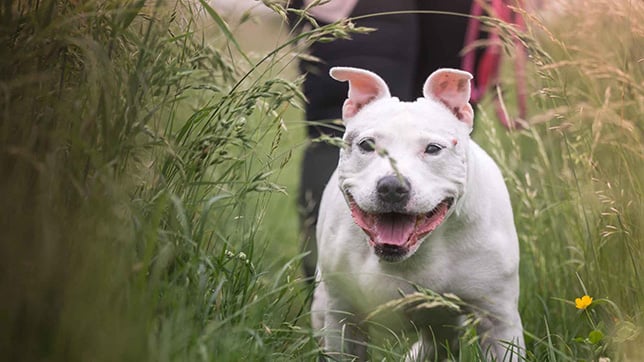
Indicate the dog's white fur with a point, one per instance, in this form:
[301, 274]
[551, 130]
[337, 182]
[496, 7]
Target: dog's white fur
[472, 254]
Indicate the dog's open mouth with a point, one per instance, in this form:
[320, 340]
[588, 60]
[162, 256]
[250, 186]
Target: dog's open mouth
[393, 234]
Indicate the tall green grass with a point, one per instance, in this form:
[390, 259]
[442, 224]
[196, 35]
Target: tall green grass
[134, 181]
[148, 164]
[575, 177]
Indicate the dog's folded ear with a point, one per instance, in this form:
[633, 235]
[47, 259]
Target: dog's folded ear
[452, 88]
[364, 87]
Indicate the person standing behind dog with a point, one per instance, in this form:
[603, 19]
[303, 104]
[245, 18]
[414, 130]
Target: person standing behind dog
[403, 50]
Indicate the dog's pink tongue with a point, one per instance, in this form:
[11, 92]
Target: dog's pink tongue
[394, 229]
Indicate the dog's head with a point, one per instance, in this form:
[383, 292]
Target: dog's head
[404, 164]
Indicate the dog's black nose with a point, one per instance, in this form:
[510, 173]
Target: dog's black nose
[393, 189]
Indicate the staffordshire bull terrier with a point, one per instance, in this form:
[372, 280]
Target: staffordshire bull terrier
[414, 202]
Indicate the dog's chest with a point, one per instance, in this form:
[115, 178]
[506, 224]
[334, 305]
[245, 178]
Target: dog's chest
[369, 282]
[375, 290]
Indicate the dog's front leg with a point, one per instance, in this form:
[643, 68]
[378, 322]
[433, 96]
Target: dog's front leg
[341, 335]
[501, 335]
[344, 339]
[421, 350]
[436, 343]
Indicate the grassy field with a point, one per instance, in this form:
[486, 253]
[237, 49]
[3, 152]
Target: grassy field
[149, 162]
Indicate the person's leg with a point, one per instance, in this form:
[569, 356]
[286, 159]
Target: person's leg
[319, 161]
[442, 37]
[391, 51]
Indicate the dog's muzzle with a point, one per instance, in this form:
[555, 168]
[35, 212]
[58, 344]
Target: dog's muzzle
[394, 234]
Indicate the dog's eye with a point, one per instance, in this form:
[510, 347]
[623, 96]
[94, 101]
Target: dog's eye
[367, 145]
[433, 149]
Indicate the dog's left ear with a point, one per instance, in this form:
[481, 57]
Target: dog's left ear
[452, 88]
[364, 88]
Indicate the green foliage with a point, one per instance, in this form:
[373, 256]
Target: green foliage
[576, 181]
[133, 168]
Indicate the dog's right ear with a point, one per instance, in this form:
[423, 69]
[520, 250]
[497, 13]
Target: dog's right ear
[364, 87]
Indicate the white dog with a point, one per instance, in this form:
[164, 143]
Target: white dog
[415, 202]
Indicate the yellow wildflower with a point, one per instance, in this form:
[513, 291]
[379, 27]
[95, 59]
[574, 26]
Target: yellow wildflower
[583, 302]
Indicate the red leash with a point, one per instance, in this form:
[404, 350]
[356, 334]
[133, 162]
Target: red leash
[488, 66]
